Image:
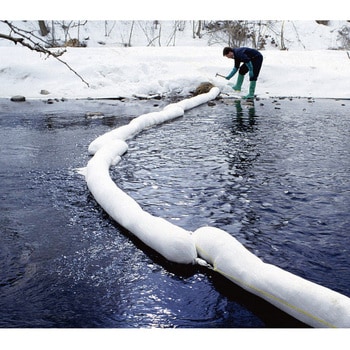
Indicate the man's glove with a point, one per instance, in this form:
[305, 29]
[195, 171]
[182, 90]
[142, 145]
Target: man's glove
[233, 72]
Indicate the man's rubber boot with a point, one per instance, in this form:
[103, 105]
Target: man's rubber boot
[252, 86]
[239, 83]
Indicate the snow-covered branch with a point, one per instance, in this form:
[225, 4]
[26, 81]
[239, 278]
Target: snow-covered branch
[32, 42]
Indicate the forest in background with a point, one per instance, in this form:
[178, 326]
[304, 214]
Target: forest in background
[263, 34]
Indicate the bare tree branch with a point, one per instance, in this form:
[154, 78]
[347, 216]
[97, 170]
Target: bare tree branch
[25, 38]
[11, 38]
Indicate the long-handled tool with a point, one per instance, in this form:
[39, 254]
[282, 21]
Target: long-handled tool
[220, 75]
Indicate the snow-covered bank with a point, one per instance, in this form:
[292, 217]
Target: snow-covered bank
[124, 72]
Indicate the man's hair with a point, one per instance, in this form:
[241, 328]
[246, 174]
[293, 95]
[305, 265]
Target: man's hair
[226, 51]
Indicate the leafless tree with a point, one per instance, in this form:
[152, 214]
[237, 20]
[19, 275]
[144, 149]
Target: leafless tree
[152, 31]
[33, 42]
[67, 26]
[177, 26]
[344, 37]
[43, 28]
[107, 30]
[196, 32]
[232, 33]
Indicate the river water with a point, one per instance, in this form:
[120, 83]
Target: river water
[274, 174]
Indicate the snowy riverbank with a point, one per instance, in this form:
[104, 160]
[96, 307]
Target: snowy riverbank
[124, 72]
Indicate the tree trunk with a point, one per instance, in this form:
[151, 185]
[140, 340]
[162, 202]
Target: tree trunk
[198, 33]
[43, 29]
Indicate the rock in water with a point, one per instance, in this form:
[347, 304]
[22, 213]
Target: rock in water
[18, 98]
[203, 88]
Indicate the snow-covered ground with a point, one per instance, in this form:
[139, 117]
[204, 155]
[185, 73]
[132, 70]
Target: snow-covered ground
[309, 68]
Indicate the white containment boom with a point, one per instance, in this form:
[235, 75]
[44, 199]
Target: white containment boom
[308, 302]
[169, 240]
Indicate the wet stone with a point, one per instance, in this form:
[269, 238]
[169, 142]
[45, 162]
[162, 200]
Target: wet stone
[18, 98]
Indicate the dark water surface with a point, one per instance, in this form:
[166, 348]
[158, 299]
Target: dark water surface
[275, 175]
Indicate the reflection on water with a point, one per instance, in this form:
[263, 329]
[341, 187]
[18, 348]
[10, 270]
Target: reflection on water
[274, 174]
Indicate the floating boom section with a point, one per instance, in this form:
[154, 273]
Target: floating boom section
[308, 302]
[169, 240]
